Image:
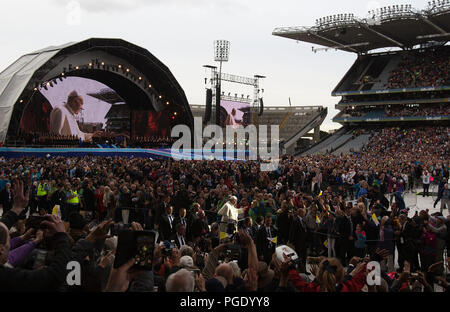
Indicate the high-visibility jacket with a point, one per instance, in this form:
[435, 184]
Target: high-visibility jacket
[74, 200]
[41, 191]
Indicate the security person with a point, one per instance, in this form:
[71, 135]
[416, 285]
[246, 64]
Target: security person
[42, 192]
[72, 201]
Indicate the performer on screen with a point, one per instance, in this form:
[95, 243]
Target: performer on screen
[63, 122]
[231, 119]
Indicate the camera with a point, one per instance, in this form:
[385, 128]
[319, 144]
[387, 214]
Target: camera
[34, 222]
[232, 252]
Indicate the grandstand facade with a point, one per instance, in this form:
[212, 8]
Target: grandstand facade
[407, 85]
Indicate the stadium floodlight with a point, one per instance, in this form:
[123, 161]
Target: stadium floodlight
[221, 50]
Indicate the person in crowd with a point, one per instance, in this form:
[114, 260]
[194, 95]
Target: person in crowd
[6, 198]
[265, 240]
[167, 224]
[360, 241]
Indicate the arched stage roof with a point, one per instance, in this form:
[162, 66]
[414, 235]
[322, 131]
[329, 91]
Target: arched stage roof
[133, 72]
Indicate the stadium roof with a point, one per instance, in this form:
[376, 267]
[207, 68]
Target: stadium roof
[395, 26]
[18, 81]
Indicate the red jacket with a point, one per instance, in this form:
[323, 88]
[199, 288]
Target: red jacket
[354, 284]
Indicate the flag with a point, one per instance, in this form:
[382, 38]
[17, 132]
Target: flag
[317, 220]
[223, 235]
[325, 243]
[375, 219]
[320, 194]
[273, 240]
[56, 211]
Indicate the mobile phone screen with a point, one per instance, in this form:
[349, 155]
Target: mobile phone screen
[137, 245]
[145, 244]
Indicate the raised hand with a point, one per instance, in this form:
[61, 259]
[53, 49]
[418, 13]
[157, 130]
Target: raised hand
[135, 226]
[100, 232]
[20, 199]
[53, 224]
[120, 278]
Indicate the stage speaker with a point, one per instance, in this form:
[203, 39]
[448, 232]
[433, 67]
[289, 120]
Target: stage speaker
[261, 107]
[218, 105]
[208, 109]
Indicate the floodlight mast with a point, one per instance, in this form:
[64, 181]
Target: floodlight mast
[221, 54]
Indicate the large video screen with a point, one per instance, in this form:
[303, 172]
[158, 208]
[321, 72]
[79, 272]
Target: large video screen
[75, 106]
[150, 123]
[234, 113]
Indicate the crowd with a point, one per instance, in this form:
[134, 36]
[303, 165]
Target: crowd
[221, 225]
[419, 110]
[426, 110]
[395, 96]
[422, 69]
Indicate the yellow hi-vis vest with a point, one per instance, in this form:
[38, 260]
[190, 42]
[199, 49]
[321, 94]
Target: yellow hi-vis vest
[74, 200]
[41, 190]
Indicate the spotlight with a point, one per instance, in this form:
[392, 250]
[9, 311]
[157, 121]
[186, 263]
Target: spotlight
[90, 64]
[120, 66]
[175, 113]
[140, 78]
[149, 85]
[48, 84]
[167, 103]
[21, 101]
[62, 74]
[76, 67]
[160, 96]
[128, 70]
[103, 63]
[35, 89]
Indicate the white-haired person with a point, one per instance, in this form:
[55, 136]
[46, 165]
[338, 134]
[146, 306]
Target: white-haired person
[229, 213]
[63, 121]
[185, 281]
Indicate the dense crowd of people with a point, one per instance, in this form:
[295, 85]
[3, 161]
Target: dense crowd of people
[395, 96]
[220, 224]
[422, 69]
[419, 110]
[425, 110]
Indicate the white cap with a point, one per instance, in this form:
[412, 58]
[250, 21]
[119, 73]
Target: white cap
[186, 262]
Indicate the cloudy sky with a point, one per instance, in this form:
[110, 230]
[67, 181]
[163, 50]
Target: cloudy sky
[181, 33]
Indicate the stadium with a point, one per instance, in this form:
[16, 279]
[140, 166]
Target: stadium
[88, 177]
